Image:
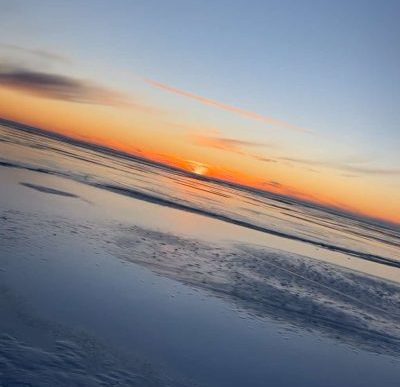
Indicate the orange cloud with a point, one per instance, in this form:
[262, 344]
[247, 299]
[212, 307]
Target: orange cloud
[228, 108]
[223, 143]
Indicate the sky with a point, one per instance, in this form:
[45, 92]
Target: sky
[300, 98]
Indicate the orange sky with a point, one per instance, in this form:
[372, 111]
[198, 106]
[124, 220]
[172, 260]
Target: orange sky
[151, 132]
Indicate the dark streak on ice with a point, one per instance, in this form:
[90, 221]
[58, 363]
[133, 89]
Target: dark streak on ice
[48, 190]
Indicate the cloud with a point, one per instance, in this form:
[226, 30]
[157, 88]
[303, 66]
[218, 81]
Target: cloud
[372, 171]
[320, 163]
[265, 159]
[273, 183]
[287, 190]
[61, 87]
[346, 167]
[226, 144]
[241, 112]
[12, 50]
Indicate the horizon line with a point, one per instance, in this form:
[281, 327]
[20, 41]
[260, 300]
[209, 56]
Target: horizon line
[101, 147]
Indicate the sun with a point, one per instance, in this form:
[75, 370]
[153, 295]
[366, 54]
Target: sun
[198, 168]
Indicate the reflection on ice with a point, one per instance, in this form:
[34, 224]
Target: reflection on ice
[264, 212]
[114, 271]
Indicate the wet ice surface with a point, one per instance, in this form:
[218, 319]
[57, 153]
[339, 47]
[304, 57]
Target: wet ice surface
[229, 314]
[101, 289]
[344, 304]
[68, 364]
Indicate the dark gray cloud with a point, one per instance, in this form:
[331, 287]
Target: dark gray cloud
[265, 159]
[59, 87]
[273, 183]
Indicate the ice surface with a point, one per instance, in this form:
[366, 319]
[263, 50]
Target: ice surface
[62, 234]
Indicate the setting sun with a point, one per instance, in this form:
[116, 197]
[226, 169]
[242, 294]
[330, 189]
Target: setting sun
[198, 168]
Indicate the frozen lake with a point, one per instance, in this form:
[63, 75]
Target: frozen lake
[116, 272]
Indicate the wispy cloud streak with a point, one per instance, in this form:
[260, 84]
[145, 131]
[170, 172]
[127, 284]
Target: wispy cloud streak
[232, 109]
[345, 167]
[224, 143]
